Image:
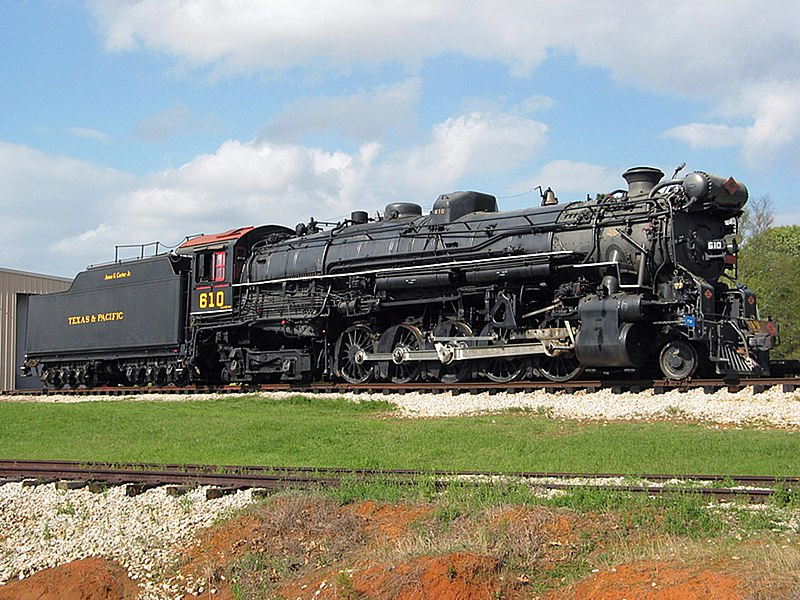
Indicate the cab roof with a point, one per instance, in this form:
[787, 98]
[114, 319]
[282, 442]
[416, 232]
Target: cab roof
[216, 238]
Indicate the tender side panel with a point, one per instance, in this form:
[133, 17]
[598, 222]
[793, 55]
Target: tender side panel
[138, 304]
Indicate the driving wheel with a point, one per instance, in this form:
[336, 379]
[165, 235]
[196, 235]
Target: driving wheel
[456, 371]
[500, 369]
[353, 342]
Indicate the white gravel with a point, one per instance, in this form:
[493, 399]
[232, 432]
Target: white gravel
[771, 408]
[42, 526]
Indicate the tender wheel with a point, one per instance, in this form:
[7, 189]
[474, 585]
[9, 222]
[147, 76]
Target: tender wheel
[354, 340]
[501, 369]
[678, 360]
[560, 368]
[160, 376]
[456, 371]
[405, 337]
[70, 378]
[52, 378]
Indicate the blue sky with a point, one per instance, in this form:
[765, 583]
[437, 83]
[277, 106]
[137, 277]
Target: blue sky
[128, 122]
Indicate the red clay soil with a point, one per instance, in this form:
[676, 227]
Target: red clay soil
[388, 521]
[87, 579]
[460, 576]
[655, 581]
[361, 574]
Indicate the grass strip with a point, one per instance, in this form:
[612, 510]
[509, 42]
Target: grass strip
[331, 433]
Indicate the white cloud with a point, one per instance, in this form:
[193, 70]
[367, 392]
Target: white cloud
[239, 184]
[46, 198]
[536, 103]
[776, 122]
[167, 123]
[361, 117]
[573, 180]
[704, 135]
[775, 125]
[87, 133]
[737, 57]
[252, 34]
[474, 144]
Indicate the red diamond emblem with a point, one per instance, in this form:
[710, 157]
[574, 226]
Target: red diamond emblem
[731, 186]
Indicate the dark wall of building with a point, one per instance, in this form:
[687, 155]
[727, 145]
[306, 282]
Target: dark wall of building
[13, 284]
[20, 382]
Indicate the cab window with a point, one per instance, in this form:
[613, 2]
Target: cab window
[210, 266]
[203, 266]
[219, 266]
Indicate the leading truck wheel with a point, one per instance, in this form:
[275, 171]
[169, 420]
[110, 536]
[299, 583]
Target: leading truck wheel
[678, 360]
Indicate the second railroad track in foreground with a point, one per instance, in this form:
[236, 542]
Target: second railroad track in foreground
[223, 479]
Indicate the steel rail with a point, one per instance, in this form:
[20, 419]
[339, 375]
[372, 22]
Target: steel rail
[659, 386]
[194, 469]
[232, 477]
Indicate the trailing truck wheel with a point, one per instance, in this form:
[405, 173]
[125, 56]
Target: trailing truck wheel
[351, 343]
[678, 360]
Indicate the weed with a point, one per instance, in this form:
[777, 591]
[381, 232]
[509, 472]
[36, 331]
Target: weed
[446, 514]
[785, 497]
[344, 586]
[67, 508]
[689, 515]
[186, 504]
[153, 514]
[675, 412]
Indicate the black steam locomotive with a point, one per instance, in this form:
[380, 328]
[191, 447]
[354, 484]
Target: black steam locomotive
[641, 278]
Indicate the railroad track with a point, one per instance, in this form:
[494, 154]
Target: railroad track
[659, 386]
[223, 479]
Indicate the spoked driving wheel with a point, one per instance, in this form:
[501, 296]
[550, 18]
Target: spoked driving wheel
[560, 363]
[456, 371]
[559, 368]
[350, 347]
[401, 338]
[501, 369]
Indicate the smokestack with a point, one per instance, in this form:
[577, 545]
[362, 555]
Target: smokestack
[641, 180]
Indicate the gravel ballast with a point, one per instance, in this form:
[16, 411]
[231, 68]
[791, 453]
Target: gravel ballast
[772, 407]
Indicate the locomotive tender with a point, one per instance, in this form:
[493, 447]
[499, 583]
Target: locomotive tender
[635, 279]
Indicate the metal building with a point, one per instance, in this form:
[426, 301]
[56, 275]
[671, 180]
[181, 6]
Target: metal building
[15, 287]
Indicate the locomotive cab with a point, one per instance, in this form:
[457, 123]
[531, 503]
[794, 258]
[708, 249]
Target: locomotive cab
[218, 263]
[214, 270]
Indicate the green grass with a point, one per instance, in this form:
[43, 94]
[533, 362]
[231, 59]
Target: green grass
[325, 433]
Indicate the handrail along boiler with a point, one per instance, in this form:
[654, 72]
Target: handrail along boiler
[642, 277]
